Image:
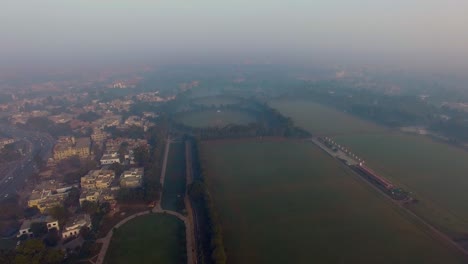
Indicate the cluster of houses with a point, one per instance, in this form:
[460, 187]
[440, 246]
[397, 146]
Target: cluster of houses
[71, 229]
[97, 185]
[121, 151]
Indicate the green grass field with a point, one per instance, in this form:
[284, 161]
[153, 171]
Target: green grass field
[216, 100]
[153, 238]
[213, 118]
[174, 183]
[435, 172]
[287, 202]
[322, 120]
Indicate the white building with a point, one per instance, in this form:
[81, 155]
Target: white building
[132, 178]
[25, 228]
[73, 226]
[110, 158]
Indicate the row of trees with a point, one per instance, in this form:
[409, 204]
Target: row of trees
[206, 211]
[269, 122]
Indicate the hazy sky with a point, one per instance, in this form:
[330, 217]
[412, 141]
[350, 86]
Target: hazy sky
[403, 31]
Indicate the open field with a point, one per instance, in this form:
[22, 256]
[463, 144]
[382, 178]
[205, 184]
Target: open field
[322, 120]
[216, 100]
[288, 202]
[152, 238]
[174, 184]
[435, 172]
[213, 118]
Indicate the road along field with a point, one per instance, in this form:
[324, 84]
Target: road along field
[215, 118]
[434, 172]
[174, 183]
[284, 201]
[153, 238]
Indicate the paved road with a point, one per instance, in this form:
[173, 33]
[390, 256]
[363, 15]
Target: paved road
[39, 144]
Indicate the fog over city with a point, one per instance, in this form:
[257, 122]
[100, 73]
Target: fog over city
[422, 33]
[233, 131]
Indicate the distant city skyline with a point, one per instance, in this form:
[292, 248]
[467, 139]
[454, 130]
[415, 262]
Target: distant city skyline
[420, 33]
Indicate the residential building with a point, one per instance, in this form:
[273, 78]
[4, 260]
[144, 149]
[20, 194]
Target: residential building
[48, 194]
[97, 179]
[99, 135]
[69, 146]
[25, 228]
[132, 178]
[90, 195]
[110, 158]
[74, 225]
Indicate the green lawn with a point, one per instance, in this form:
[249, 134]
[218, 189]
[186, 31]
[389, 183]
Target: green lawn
[322, 120]
[214, 118]
[287, 202]
[174, 183]
[153, 238]
[216, 100]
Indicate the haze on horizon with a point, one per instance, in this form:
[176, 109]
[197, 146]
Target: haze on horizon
[421, 33]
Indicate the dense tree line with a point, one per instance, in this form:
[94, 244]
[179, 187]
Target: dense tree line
[88, 117]
[211, 246]
[269, 122]
[9, 153]
[392, 110]
[134, 132]
[386, 109]
[32, 251]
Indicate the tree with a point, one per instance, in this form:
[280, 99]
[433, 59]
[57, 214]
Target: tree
[85, 232]
[105, 207]
[90, 207]
[72, 198]
[88, 116]
[117, 168]
[33, 251]
[142, 155]
[60, 214]
[39, 229]
[52, 238]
